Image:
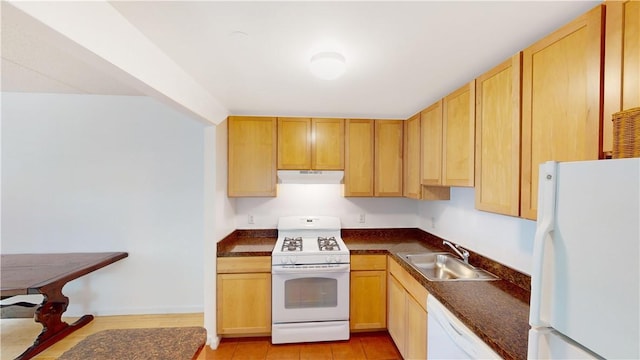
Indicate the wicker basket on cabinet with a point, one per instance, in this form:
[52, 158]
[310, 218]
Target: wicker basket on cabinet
[626, 133]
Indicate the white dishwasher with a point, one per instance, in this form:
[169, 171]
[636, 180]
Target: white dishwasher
[449, 338]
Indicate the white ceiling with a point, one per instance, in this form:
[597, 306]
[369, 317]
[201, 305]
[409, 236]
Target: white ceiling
[253, 56]
[32, 63]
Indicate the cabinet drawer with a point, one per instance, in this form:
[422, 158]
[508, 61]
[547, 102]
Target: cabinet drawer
[368, 262]
[244, 264]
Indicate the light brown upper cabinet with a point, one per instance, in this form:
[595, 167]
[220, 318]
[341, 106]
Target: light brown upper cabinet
[498, 138]
[251, 156]
[359, 157]
[447, 140]
[561, 108]
[388, 158]
[431, 183]
[305, 144]
[373, 157]
[294, 143]
[458, 134]
[622, 63]
[327, 139]
[412, 187]
[431, 143]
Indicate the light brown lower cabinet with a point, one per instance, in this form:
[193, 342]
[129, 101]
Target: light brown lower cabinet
[368, 305]
[407, 312]
[244, 283]
[380, 299]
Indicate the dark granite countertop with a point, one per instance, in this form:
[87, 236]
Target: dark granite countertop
[496, 311]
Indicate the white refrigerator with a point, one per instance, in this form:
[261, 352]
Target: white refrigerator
[585, 281]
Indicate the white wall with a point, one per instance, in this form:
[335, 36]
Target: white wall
[325, 199]
[506, 239]
[219, 218]
[225, 207]
[107, 173]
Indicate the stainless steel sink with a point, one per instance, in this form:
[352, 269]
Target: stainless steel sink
[442, 266]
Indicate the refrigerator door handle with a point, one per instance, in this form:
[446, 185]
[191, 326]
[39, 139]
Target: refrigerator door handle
[546, 216]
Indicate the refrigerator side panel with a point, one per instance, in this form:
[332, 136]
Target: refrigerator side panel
[595, 249]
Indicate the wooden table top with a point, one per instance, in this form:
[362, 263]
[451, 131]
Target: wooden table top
[24, 274]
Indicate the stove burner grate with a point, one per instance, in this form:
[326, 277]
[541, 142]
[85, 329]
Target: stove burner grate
[328, 244]
[292, 244]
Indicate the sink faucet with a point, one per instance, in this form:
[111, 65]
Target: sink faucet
[462, 252]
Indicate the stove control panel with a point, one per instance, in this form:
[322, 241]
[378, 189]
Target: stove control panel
[310, 259]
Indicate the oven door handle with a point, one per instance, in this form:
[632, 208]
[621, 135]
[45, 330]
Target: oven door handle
[279, 269]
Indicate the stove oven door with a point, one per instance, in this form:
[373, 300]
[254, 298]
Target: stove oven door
[310, 294]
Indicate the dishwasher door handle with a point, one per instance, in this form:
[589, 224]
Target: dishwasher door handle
[449, 331]
[457, 335]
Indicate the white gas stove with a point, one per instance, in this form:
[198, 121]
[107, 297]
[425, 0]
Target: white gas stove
[309, 240]
[310, 268]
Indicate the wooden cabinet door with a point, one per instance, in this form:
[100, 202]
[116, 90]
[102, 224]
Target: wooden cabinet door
[327, 144]
[631, 56]
[359, 157]
[416, 346]
[368, 300]
[305, 144]
[498, 138]
[368, 292]
[252, 155]
[236, 294]
[561, 106]
[412, 188]
[458, 134]
[431, 144]
[396, 307]
[622, 64]
[388, 158]
[407, 316]
[294, 143]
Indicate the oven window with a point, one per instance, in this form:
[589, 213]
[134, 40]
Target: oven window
[310, 293]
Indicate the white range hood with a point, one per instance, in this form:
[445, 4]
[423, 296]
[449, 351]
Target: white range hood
[310, 176]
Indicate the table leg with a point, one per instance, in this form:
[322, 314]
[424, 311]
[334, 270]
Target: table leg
[49, 314]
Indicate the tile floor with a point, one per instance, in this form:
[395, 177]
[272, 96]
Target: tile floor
[378, 346]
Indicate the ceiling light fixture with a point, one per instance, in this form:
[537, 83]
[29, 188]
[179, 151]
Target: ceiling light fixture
[327, 65]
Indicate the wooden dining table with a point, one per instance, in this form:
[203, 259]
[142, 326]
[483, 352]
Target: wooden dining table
[46, 274]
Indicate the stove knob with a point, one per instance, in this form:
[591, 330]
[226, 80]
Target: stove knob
[292, 260]
[283, 260]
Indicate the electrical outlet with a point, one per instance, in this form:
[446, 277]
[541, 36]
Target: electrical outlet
[250, 219]
[362, 219]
